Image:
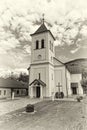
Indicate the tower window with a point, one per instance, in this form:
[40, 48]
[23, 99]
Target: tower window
[37, 44]
[42, 43]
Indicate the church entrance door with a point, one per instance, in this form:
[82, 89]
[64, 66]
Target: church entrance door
[38, 91]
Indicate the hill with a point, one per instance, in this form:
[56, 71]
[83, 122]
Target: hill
[77, 66]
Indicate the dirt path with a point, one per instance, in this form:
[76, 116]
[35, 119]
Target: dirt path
[57, 115]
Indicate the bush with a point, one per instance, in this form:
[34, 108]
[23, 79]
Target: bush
[59, 95]
[62, 95]
[79, 98]
[30, 108]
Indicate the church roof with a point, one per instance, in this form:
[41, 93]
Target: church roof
[42, 29]
[57, 62]
[38, 82]
[12, 83]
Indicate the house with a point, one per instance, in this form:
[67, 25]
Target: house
[47, 74]
[9, 85]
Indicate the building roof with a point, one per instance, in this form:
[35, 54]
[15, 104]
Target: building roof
[77, 66]
[38, 82]
[42, 29]
[12, 83]
[57, 62]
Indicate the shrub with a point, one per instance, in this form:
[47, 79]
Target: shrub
[59, 95]
[62, 95]
[79, 98]
[30, 108]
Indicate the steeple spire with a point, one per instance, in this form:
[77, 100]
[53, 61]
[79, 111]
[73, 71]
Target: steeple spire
[42, 28]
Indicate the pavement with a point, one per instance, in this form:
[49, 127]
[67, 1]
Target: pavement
[7, 106]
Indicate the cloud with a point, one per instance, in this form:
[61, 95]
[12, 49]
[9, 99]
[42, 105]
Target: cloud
[6, 73]
[8, 44]
[20, 18]
[27, 49]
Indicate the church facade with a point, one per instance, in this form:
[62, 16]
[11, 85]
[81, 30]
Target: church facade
[48, 75]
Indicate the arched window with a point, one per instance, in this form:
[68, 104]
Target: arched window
[42, 43]
[37, 44]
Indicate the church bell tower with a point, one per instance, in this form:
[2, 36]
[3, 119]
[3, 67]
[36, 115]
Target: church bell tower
[41, 68]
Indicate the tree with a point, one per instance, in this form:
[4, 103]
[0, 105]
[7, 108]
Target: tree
[23, 77]
[84, 75]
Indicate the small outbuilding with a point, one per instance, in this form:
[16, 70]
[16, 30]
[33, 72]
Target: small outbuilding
[11, 87]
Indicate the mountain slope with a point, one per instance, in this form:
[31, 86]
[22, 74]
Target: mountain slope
[77, 66]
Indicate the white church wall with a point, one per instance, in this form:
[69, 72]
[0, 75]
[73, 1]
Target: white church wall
[51, 48]
[41, 51]
[68, 82]
[44, 74]
[51, 80]
[38, 53]
[76, 78]
[34, 91]
[57, 63]
[60, 77]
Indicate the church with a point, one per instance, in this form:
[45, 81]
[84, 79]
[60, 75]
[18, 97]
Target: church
[47, 74]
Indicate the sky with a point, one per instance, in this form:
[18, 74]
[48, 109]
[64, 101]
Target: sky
[67, 20]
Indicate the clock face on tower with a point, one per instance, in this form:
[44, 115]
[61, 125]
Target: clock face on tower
[39, 57]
